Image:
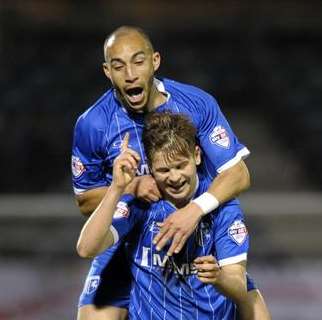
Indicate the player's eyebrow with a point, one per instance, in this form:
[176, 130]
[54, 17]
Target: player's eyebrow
[117, 60]
[137, 54]
[174, 163]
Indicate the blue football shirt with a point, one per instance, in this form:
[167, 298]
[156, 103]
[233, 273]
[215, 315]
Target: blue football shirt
[99, 131]
[167, 288]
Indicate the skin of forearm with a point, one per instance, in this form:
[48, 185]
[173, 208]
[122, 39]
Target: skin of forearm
[231, 182]
[233, 286]
[231, 281]
[89, 200]
[95, 235]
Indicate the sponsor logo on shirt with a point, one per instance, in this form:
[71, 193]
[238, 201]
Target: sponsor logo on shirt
[220, 137]
[163, 261]
[238, 232]
[77, 167]
[92, 284]
[122, 210]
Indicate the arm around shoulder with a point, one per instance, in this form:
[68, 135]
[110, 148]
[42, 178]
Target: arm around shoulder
[230, 182]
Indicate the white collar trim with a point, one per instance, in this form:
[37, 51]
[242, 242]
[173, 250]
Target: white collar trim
[160, 87]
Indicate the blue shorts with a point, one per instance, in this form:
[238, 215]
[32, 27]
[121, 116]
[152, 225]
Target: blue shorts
[108, 282]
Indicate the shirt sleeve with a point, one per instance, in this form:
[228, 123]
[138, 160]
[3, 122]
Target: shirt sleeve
[231, 235]
[88, 156]
[126, 216]
[219, 144]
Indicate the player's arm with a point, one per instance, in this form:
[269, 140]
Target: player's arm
[256, 305]
[230, 183]
[89, 178]
[142, 187]
[250, 304]
[96, 234]
[230, 280]
[89, 200]
[90, 181]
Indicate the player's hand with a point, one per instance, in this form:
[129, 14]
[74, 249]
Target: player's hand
[125, 165]
[178, 227]
[208, 269]
[147, 189]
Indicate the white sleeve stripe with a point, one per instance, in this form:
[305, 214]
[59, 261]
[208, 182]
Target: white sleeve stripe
[241, 154]
[115, 234]
[79, 191]
[232, 260]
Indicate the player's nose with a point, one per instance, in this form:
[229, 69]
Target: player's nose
[174, 176]
[130, 74]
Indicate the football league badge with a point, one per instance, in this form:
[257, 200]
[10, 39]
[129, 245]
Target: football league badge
[77, 167]
[220, 137]
[122, 210]
[238, 232]
[92, 284]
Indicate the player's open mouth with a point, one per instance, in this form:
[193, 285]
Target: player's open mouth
[135, 95]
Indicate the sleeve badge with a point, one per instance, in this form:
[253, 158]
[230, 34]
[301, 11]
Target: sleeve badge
[122, 210]
[92, 284]
[77, 167]
[220, 137]
[238, 232]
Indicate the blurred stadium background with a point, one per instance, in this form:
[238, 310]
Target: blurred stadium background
[261, 59]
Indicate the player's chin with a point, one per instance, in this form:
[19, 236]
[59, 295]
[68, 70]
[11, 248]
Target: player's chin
[179, 196]
[136, 107]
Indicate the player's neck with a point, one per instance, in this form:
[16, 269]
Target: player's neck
[177, 203]
[157, 98]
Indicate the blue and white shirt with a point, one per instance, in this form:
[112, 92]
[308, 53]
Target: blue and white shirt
[167, 288]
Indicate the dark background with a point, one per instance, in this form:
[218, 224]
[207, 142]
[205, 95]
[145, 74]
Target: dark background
[257, 57]
[260, 59]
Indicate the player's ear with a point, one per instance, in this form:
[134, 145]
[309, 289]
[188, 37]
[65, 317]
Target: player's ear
[156, 60]
[197, 155]
[106, 69]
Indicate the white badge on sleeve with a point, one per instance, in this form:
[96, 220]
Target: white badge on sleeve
[220, 137]
[238, 232]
